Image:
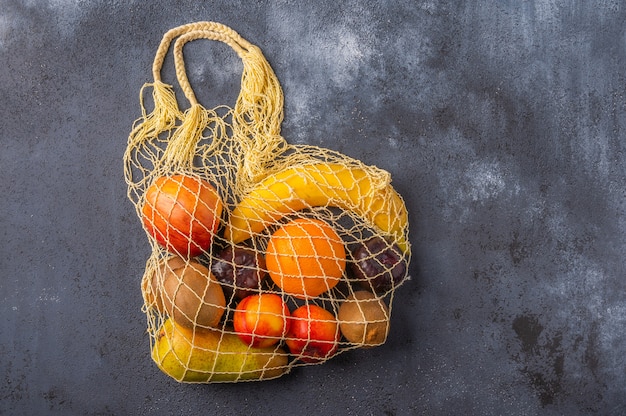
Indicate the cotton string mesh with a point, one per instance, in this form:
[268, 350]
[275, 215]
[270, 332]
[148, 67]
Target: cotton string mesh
[232, 211]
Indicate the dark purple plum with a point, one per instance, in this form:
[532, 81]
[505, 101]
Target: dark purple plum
[240, 270]
[377, 265]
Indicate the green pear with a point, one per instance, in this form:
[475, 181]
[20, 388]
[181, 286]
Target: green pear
[202, 356]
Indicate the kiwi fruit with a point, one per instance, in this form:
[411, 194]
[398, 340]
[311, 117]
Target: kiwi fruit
[364, 319]
[187, 292]
[151, 285]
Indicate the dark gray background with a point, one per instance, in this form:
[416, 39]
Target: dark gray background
[502, 122]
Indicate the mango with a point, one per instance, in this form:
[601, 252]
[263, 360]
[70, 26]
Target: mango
[203, 356]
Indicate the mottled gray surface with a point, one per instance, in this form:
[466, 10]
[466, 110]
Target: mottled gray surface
[502, 123]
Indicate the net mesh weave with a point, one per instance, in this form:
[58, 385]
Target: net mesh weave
[265, 255]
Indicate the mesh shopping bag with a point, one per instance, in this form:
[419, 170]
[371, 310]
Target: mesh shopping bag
[265, 255]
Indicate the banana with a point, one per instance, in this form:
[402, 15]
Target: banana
[321, 184]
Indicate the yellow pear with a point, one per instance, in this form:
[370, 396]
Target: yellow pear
[202, 356]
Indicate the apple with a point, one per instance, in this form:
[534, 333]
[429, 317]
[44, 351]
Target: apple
[313, 334]
[261, 320]
[182, 213]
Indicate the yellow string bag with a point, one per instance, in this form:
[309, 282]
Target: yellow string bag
[265, 255]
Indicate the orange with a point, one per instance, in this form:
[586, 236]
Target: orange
[305, 257]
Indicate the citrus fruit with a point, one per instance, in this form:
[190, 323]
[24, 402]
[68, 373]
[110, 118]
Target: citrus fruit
[305, 257]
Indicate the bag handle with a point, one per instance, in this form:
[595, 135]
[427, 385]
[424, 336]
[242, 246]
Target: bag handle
[258, 113]
[259, 87]
[220, 32]
[179, 60]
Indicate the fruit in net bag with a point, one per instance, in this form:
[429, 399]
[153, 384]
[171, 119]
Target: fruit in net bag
[305, 257]
[203, 356]
[378, 266]
[365, 191]
[152, 284]
[187, 292]
[313, 334]
[264, 183]
[182, 213]
[261, 320]
[364, 319]
[240, 270]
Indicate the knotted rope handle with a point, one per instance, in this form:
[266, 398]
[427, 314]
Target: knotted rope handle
[179, 60]
[219, 31]
[257, 114]
[258, 77]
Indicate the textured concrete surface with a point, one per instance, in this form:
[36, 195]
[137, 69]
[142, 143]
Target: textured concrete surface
[502, 123]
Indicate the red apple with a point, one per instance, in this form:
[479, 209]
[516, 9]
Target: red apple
[314, 334]
[182, 213]
[261, 320]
